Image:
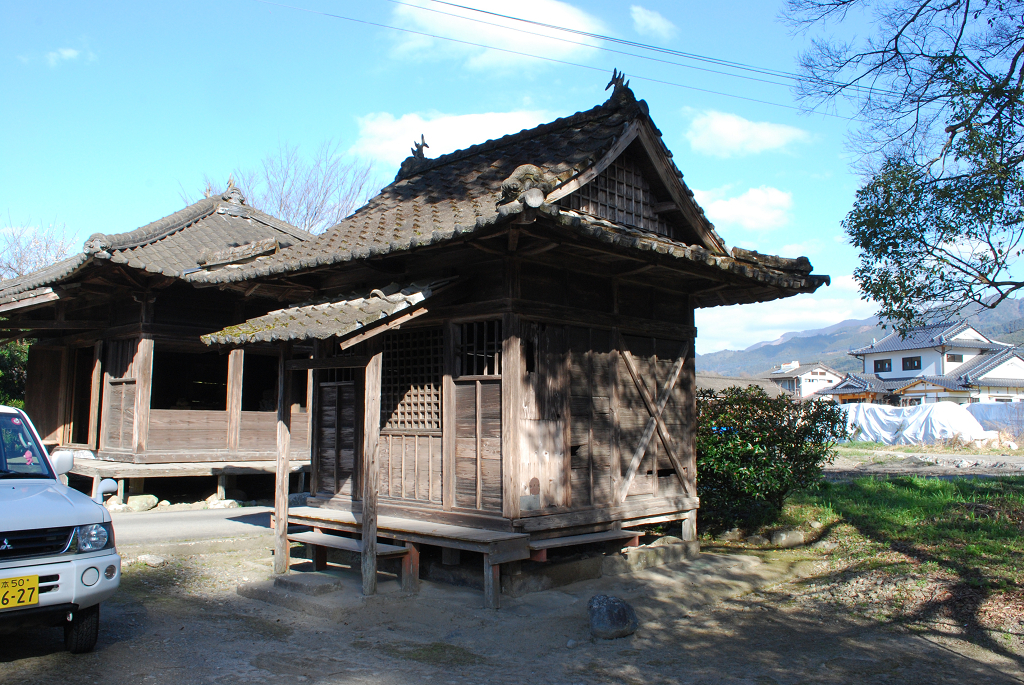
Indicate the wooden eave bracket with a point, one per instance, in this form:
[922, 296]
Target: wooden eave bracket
[33, 299]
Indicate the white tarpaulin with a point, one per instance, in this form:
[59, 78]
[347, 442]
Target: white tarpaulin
[999, 416]
[923, 424]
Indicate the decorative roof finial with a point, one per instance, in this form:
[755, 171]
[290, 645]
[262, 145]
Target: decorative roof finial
[417, 151]
[618, 80]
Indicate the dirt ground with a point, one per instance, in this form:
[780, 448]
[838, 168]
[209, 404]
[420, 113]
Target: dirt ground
[856, 463]
[184, 623]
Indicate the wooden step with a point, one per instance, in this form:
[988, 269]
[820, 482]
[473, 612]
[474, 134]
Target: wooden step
[539, 548]
[350, 544]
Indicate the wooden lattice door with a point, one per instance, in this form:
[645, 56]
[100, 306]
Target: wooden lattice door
[337, 437]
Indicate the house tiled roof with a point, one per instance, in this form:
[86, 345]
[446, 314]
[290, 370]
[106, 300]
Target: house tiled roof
[863, 382]
[716, 383]
[801, 370]
[935, 335]
[320, 320]
[173, 246]
[433, 201]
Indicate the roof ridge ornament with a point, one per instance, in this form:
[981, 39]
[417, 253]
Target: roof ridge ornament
[232, 194]
[528, 184]
[417, 149]
[618, 80]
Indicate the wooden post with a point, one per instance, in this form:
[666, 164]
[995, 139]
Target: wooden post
[371, 465]
[120, 490]
[492, 584]
[222, 486]
[95, 393]
[282, 559]
[689, 532]
[411, 568]
[236, 362]
[448, 420]
[143, 370]
[512, 382]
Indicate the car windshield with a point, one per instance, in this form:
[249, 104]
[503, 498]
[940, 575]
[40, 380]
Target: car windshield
[20, 454]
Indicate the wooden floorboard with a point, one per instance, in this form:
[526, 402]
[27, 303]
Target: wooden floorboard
[403, 525]
[351, 544]
[119, 469]
[585, 539]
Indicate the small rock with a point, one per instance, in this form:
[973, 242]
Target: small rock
[734, 535]
[814, 524]
[164, 503]
[298, 499]
[787, 538]
[151, 560]
[212, 498]
[611, 617]
[666, 540]
[758, 540]
[916, 461]
[825, 545]
[142, 502]
[570, 644]
[224, 504]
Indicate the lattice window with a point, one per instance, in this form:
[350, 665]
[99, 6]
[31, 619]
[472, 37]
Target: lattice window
[411, 380]
[621, 194]
[478, 349]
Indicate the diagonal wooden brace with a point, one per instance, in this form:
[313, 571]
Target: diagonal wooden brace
[656, 409]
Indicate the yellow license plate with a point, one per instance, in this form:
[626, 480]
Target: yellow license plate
[19, 592]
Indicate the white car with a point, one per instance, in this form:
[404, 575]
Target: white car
[57, 555]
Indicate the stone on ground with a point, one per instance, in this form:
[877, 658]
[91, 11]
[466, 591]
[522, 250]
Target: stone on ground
[298, 499]
[611, 617]
[224, 504]
[758, 540]
[787, 538]
[825, 545]
[151, 560]
[734, 535]
[142, 502]
[814, 524]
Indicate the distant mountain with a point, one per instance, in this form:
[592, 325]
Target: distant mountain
[830, 345]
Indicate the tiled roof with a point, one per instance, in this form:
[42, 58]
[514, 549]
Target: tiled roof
[320, 320]
[801, 370]
[863, 382]
[716, 383]
[437, 200]
[172, 246]
[935, 335]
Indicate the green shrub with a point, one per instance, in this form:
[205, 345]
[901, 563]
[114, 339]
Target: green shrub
[754, 450]
[13, 365]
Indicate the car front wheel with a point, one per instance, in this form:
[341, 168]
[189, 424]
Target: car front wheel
[81, 631]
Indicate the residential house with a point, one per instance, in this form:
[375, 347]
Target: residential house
[941, 362]
[803, 380]
[503, 356]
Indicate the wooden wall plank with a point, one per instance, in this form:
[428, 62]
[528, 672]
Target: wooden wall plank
[95, 395]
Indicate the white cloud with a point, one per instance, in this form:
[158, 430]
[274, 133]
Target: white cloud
[740, 326]
[650, 23]
[387, 139]
[421, 15]
[57, 56]
[720, 134]
[757, 208]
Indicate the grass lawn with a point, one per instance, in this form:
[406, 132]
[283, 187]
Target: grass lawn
[970, 529]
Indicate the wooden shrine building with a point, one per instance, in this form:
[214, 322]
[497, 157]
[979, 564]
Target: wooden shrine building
[117, 366]
[502, 340]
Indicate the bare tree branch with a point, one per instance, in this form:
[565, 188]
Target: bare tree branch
[27, 248]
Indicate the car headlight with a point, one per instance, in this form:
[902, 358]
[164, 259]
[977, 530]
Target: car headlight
[94, 537]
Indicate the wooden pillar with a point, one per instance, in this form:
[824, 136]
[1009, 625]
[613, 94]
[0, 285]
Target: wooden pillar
[236, 359]
[512, 381]
[689, 531]
[120, 490]
[492, 584]
[411, 568]
[448, 420]
[282, 559]
[371, 465]
[143, 369]
[95, 393]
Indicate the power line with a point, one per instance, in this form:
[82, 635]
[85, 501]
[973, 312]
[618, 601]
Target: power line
[425, 34]
[645, 46]
[582, 44]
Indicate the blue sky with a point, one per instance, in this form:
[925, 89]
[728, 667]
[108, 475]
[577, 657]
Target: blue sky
[111, 109]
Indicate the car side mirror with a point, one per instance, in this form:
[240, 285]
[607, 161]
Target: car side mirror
[107, 487]
[63, 461]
